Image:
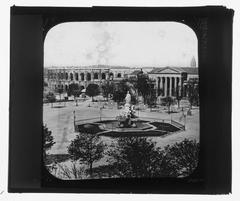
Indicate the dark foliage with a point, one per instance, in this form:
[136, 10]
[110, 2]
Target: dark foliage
[107, 89]
[92, 90]
[145, 88]
[139, 157]
[182, 157]
[192, 92]
[86, 148]
[136, 157]
[121, 90]
[51, 98]
[74, 90]
[48, 141]
[151, 97]
[56, 158]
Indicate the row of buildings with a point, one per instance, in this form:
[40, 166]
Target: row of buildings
[167, 80]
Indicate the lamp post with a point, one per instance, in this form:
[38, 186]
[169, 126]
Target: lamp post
[100, 113]
[74, 119]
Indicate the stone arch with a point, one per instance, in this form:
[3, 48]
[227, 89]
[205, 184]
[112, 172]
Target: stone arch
[82, 76]
[66, 76]
[88, 76]
[111, 76]
[76, 76]
[95, 76]
[71, 76]
[119, 75]
[103, 76]
[66, 87]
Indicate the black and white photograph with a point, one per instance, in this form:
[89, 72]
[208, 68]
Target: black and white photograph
[121, 100]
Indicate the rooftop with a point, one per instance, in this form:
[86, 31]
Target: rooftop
[189, 70]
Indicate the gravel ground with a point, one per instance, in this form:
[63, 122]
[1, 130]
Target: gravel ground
[60, 121]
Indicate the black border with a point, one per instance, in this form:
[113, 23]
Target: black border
[213, 27]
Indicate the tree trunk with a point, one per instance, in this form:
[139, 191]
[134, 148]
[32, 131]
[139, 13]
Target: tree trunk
[90, 170]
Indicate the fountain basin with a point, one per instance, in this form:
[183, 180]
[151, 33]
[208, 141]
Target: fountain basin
[110, 128]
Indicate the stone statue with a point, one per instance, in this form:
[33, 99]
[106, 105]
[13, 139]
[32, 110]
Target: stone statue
[127, 113]
[128, 98]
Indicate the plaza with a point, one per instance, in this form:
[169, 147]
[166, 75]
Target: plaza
[60, 120]
[119, 87]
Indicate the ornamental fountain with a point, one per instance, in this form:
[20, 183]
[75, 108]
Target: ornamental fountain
[126, 124]
[127, 114]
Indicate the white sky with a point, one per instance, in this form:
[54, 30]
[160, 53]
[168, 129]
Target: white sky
[120, 43]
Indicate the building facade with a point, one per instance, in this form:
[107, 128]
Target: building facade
[62, 77]
[168, 81]
[172, 81]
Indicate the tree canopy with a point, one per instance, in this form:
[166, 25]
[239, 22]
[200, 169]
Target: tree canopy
[121, 90]
[107, 88]
[48, 140]
[182, 157]
[193, 92]
[51, 98]
[136, 157]
[86, 148]
[92, 90]
[139, 157]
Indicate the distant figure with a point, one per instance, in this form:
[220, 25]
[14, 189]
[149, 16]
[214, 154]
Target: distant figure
[189, 112]
[183, 116]
[128, 98]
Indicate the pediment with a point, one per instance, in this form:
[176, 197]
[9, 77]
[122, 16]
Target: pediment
[168, 71]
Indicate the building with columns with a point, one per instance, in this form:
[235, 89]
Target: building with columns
[167, 80]
[172, 80]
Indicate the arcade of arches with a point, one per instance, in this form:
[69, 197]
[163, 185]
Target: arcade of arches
[167, 81]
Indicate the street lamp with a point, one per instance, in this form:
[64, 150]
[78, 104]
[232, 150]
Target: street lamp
[100, 113]
[74, 119]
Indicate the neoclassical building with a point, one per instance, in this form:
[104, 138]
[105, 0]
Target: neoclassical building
[172, 79]
[168, 79]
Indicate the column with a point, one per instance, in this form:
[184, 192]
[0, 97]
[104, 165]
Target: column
[79, 77]
[165, 86]
[161, 83]
[170, 86]
[157, 86]
[175, 86]
[100, 75]
[85, 76]
[92, 76]
[179, 87]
